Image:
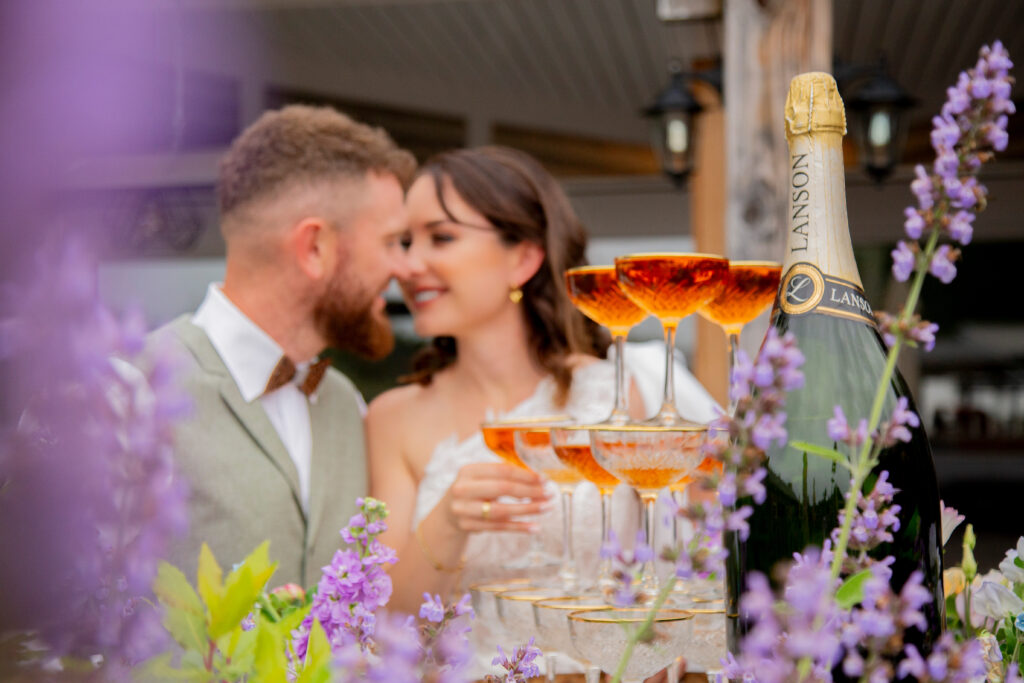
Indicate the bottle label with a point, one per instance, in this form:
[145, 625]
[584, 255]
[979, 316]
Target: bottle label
[805, 289]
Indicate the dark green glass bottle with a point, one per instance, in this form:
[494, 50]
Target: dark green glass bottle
[822, 303]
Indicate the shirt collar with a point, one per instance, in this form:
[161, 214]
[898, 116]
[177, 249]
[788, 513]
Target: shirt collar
[248, 352]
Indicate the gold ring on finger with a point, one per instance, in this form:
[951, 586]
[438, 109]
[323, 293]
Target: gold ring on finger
[485, 509]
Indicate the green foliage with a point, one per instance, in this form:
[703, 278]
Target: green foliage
[209, 623]
[851, 592]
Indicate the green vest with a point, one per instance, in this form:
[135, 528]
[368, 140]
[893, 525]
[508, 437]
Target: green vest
[243, 485]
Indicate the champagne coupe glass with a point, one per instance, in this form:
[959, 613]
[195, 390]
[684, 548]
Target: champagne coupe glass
[601, 635]
[595, 291]
[707, 648]
[499, 437]
[671, 287]
[683, 590]
[572, 447]
[552, 618]
[515, 611]
[533, 446]
[749, 288]
[484, 600]
[648, 458]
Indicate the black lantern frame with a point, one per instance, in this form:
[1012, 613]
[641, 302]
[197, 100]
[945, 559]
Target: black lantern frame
[877, 106]
[672, 117]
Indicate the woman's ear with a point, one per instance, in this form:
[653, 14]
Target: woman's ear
[528, 257]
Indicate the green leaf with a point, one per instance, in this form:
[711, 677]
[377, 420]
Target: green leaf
[174, 590]
[187, 628]
[827, 453]
[318, 656]
[236, 601]
[160, 668]
[209, 579]
[852, 590]
[270, 663]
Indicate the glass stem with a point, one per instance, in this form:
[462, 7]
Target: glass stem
[605, 581]
[620, 413]
[551, 661]
[648, 579]
[679, 497]
[668, 412]
[593, 675]
[734, 346]
[568, 571]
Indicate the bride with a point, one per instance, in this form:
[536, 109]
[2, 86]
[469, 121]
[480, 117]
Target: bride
[490, 236]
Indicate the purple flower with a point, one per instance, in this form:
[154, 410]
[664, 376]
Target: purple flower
[942, 264]
[903, 261]
[432, 609]
[838, 429]
[922, 188]
[91, 499]
[960, 226]
[914, 224]
[353, 587]
[521, 665]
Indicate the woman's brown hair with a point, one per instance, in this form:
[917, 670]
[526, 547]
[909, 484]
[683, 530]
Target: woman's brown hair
[524, 203]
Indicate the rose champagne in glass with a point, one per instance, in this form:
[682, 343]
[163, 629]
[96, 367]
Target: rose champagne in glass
[648, 458]
[499, 436]
[749, 289]
[572, 446]
[533, 446]
[595, 291]
[671, 287]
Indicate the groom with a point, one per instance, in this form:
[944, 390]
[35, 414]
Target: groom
[311, 210]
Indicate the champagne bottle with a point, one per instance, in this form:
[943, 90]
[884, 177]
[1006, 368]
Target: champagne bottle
[821, 301]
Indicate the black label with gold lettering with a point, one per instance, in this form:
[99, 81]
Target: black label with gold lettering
[805, 289]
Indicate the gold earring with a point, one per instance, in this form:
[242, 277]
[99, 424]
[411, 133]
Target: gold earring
[515, 295]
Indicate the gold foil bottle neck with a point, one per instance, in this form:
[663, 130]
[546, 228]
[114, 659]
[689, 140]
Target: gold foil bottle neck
[814, 104]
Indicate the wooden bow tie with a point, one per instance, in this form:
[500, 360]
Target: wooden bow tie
[284, 372]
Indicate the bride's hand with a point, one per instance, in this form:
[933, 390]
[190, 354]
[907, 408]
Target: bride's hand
[472, 499]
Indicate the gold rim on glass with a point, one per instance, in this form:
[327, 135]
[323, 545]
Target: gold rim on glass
[669, 254]
[590, 269]
[517, 595]
[527, 421]
[662, 616]
[549, 603]
[642, 428]
[498, 587]
[768, 264]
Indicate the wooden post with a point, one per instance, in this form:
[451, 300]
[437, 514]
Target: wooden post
[767, 43]
[707, 218]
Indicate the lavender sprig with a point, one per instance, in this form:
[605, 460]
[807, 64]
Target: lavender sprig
[90, 498]
[520, 666]
[970, 128]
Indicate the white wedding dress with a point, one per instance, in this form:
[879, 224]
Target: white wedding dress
[591, 398]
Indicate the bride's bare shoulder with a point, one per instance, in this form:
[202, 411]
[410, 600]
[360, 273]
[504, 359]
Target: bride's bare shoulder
[400, 403]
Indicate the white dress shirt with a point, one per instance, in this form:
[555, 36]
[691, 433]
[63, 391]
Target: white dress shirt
[251, 356]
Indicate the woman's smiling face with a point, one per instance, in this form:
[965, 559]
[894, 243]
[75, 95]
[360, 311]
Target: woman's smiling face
[460, 271]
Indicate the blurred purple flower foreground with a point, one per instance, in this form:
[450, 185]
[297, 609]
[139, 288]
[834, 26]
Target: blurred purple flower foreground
[88, 496]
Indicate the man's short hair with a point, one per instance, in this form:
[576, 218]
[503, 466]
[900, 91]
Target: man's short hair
[300, 143]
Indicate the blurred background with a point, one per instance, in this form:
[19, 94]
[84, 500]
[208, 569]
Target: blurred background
[114, 115]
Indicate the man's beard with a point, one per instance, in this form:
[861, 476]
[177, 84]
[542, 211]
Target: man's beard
[346, 318]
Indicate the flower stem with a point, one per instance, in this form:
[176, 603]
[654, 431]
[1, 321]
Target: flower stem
[865, 461]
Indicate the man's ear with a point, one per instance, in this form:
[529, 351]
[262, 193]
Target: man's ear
[528, 257]
[313, 246]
